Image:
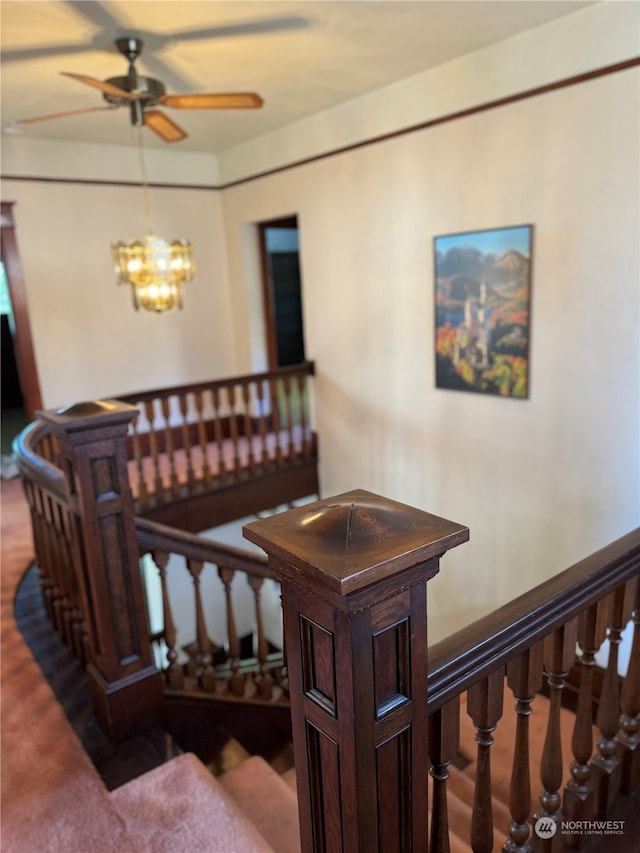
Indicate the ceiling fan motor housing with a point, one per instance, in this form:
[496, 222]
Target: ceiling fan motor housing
[149, 90]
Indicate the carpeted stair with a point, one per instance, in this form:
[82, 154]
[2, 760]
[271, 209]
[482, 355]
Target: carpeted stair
[180, 806]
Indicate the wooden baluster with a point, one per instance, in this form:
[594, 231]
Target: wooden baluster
[274, 385]
[559, 655]
[206, 673]
[57, 592]
[283, 675]
[173, 673]
[168, 445]
[61, 603]
[139, 487]
[34, 496]
[67, 572]
[233, 424]
[605, 765]
[628, 737]
[286, 385]
[301, 382]
[202, 438]
[158, 485]
[444, 734]
[248, 427]
[78, 628]
[484, 706]
[236, 682]
[186, 437]
[263, 424]
[265, 679]
[578, 792]
[217, 423]
[52, 562]
[524, 677]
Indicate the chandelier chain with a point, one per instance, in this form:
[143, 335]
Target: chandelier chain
[145, 182]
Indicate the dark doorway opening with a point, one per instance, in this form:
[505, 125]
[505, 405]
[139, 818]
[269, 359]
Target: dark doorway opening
[279, 250]
[20, 386]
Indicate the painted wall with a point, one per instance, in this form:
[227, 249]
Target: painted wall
[89, 342]
[542, 482]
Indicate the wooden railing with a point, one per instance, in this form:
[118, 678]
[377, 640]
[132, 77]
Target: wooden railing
[223, 670]
[53, 535]
[248, 437]
[354, 571]
[371, 707]
[531, 640]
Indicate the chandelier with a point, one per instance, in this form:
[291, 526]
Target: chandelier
[155, 269]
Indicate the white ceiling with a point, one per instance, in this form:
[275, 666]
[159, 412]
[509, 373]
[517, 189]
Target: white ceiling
[301, 57]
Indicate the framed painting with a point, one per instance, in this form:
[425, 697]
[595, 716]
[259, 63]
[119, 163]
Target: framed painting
[482, 310]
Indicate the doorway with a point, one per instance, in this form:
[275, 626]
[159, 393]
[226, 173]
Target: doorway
[281, 287]
[21, 393]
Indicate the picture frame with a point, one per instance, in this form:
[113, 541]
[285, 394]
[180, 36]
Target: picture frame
[483, 310]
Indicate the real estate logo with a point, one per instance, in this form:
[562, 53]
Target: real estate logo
[545, 827]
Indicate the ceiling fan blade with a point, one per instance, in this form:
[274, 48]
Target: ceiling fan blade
[20, 121]
[220, 101]
[163, 126]
[278, 23]
[19, 54]
[108, 88]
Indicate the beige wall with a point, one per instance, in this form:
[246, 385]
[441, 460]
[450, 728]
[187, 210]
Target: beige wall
[540, 482]
[88, 340]
[543, 482]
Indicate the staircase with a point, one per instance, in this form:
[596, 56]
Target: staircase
[182, 806]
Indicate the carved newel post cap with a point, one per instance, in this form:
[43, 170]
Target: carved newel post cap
[89, 416]
[348, 542]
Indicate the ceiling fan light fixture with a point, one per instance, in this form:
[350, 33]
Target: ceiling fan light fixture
[155, 269]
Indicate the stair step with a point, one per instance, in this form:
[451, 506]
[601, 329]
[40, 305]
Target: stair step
[460, 796]
[268, 800]
[180, 806]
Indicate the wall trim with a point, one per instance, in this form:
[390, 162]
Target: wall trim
[385, 137]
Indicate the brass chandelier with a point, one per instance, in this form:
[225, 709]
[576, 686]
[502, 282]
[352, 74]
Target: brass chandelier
[155, 269]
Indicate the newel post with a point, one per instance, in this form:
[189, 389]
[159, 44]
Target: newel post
[126, 689]
[354, 570]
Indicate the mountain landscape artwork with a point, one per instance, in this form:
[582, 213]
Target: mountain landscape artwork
[483, 292]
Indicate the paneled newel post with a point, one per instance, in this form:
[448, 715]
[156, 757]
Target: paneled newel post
[126, 689]
[354, 570]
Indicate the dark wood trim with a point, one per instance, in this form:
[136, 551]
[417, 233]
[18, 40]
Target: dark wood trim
[22, 342]
[267, 286]
[480, 108]
[479, 649]
[106, 182]
[267, 298]
[425, 125]
[197, 511]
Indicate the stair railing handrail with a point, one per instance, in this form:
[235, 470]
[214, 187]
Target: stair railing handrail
[306, 368]
[153, 536]
[464, 657]
[32, 463]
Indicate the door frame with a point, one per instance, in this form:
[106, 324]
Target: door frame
[267, 286]
[22, 339]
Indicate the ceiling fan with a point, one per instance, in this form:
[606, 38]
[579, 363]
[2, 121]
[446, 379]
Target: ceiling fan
[143, 94]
